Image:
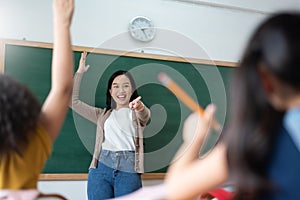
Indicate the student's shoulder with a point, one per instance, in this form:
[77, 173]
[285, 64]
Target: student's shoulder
[41, 136]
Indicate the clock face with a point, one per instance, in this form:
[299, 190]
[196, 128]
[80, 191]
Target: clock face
[142, 29]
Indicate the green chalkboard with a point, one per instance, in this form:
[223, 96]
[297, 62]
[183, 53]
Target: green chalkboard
[31, 64]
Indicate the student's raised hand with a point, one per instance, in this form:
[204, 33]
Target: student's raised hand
[82, 68]
[63, 11]
[197, 126]
[137, 104]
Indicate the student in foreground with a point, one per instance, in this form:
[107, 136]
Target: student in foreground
[260, 149]
[28, 129]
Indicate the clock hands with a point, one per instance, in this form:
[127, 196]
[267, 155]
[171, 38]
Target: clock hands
[143, 30]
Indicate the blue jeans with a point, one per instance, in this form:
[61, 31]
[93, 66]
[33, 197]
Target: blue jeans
[114, 176]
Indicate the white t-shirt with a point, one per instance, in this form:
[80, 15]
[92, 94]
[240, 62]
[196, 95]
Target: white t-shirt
[119, 131]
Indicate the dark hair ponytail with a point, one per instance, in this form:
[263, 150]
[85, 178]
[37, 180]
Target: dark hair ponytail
[254, 122]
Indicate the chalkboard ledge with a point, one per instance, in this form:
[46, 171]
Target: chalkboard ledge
[83, 177]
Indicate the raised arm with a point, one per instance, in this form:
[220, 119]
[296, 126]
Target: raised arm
[85, 110]
[189, 176]
[56, 104]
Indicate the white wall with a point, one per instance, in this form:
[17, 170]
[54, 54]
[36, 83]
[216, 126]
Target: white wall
[219, 27]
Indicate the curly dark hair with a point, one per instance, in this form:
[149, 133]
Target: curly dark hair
[19, 112]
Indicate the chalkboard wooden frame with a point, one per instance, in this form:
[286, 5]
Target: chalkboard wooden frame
[80, 176]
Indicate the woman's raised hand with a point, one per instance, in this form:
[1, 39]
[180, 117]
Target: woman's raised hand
[82, 68]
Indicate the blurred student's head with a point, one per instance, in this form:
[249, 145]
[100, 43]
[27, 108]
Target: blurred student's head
[19, 112]
[272, 56]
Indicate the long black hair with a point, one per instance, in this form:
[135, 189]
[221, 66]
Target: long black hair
[110, 103]
[19, 113]
[254, 122]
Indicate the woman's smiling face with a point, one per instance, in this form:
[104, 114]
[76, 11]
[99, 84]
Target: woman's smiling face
[121, 91]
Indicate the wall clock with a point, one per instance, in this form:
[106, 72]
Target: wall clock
[142, 29]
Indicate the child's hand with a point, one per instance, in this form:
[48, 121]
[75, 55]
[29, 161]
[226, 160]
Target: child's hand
[196, 126]
[82, 68]
[137, 104]
[63, 11]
